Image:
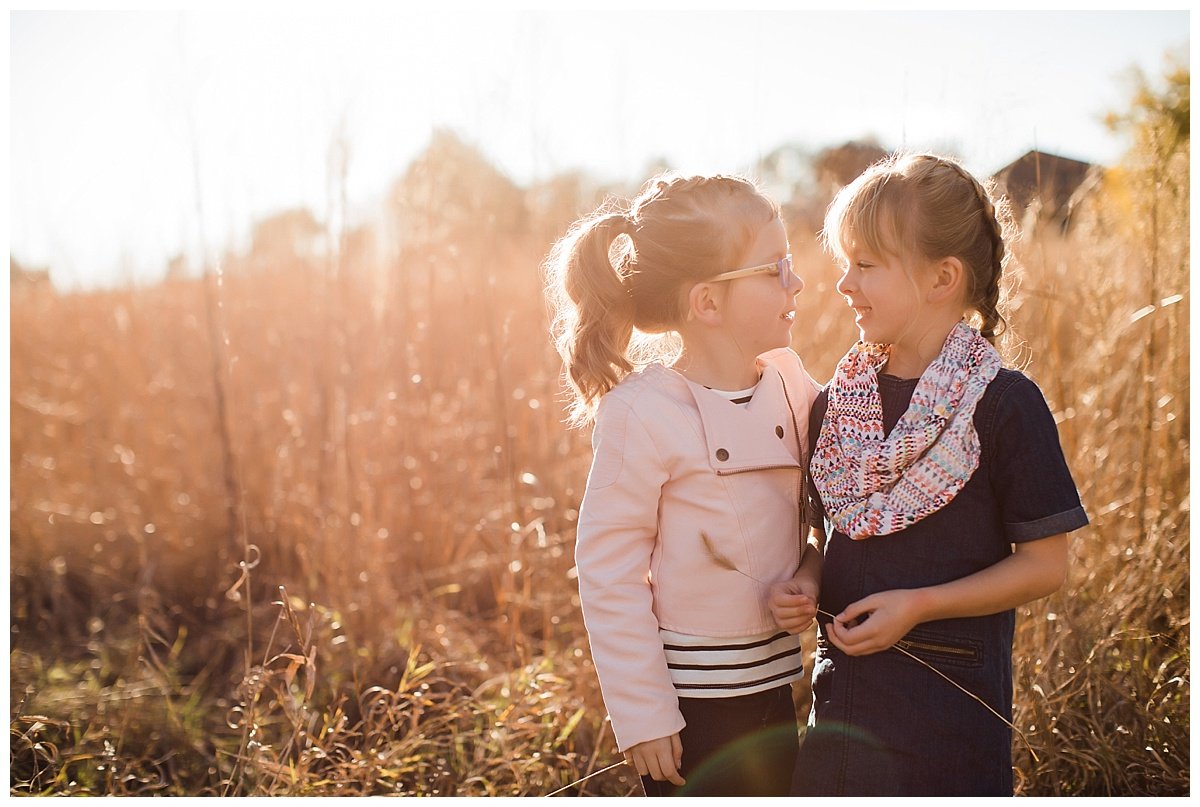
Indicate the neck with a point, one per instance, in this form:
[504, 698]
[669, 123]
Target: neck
[719, 366]
[910, 356]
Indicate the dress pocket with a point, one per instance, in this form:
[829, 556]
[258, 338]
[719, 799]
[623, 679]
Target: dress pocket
[942, 650]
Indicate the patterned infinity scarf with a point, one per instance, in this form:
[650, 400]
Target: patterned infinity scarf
[875, 486]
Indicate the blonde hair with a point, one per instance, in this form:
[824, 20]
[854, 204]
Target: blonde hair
[931, 207]
[622, 270]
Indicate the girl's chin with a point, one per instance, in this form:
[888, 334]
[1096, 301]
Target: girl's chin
[871, 338]
[869, 333]
[786, 341]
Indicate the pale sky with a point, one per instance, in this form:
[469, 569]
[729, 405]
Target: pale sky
[108, 109]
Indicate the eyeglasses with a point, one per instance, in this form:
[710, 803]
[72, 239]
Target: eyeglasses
[782, 268]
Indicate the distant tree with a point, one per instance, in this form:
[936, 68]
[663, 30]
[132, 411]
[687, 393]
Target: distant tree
[454, 226]
[177, 267]
[1158, 117]
[25, 279]
[786, 173]
[654, 166]
[287, 238]
[451, 195]
[837, 166]
[556, 202]
[805, 181]
[1151, 184]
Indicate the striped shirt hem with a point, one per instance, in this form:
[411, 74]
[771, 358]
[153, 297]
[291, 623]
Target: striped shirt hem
[749, 686]
[708, 667]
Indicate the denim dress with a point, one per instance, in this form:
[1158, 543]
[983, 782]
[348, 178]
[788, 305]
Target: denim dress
[884, 724]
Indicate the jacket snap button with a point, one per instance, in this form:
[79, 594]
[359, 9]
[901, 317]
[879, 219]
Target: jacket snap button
[779, 432]
[722, 454]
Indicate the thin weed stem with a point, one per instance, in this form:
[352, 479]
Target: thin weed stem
[584, 779]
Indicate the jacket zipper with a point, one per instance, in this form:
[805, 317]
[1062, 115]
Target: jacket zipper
[731, 471]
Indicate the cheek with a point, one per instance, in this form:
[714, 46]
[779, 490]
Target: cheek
[872, 289]
[895, 290]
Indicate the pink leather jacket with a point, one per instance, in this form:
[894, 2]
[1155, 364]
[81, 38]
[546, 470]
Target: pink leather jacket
[691, 513]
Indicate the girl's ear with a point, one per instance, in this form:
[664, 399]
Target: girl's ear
[948, 280]
[703, 304]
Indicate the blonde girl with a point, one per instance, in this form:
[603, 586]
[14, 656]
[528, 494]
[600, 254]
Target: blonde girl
[692, 507]
[940, 477]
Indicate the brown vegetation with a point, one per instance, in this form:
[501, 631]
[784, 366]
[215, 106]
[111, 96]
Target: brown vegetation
[362, 583]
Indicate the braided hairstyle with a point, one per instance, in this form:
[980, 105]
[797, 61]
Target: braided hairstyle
[623, 271]
[930, 206]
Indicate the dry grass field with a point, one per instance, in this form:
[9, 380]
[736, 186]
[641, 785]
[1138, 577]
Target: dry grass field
[304, 526]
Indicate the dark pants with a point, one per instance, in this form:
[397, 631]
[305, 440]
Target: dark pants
[743, 746]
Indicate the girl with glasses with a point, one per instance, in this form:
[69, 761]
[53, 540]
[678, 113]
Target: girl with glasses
[941, 477]
[691, 512]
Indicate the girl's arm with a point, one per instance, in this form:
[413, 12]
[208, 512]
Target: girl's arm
[615, 540]
[876, 622]
[794, 602]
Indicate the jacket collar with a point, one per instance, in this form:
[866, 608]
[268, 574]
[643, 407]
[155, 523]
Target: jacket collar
[760, 434]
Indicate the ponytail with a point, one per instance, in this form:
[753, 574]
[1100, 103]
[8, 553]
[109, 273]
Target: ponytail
[593, 320]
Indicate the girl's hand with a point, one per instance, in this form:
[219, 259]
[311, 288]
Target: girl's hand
[659, 759]
[876, 622]
[794, 604]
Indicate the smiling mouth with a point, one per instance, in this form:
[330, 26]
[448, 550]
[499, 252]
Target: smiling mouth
[789, 316]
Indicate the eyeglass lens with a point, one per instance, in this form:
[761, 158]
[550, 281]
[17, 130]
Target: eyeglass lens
[784, 270]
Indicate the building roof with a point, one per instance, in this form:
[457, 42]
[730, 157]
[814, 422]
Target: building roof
[1049, 178]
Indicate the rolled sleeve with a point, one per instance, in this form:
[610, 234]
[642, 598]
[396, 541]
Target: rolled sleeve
[1045, 527]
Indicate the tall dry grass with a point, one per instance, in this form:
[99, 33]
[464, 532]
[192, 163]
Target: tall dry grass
[392, 608]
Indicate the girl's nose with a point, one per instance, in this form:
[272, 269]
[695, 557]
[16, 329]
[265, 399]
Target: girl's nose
[844, 285]
[795, 284]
